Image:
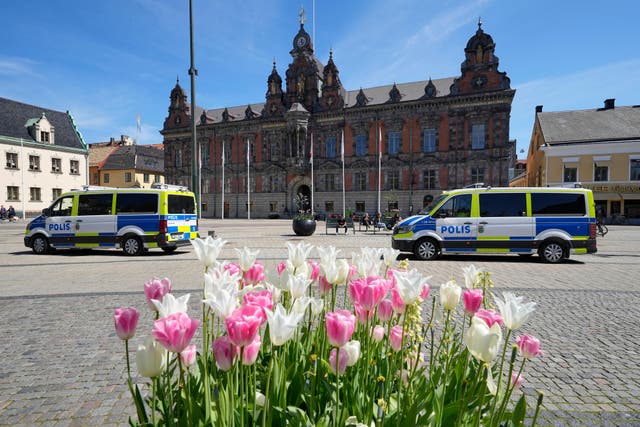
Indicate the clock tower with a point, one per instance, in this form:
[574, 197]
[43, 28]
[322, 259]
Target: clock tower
[303, 74]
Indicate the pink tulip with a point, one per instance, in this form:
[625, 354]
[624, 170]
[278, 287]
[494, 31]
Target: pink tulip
[315, 270]
[362, 314]
[126, 321]
[489, 316]
[529, 346]
[156, 289]
[188, 355]
[472, 299]
[385, 310]
[250, 352]
[340, 326]
[225, 353]
[342, 364]
[262, 299]
[281, 266]
[255, 274]
[516, 380]
[396, 301]
[395, 338]
[175, 331]
[243, 324]
[368, 291]
[377, 333]
[323, 284]
[425, 292]
[233, 268]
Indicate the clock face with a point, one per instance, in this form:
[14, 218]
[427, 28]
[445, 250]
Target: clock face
[301, 41]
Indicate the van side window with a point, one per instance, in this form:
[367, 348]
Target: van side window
[503, 204]
[94, 204]
[181, 204]
[136, 203]
[457, 206]
[62, 207]
[557, 204]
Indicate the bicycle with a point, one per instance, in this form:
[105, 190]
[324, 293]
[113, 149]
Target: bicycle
[601, 229]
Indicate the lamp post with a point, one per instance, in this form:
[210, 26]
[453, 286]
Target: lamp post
[195, 171]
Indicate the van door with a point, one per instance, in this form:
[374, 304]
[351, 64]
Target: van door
[59, 222]
[455, 224]
[503, 225]
[95, 224]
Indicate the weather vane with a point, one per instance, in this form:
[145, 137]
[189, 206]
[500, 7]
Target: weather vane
[301, 15]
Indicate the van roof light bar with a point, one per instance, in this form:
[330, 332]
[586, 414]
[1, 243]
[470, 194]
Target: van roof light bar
[161, 186]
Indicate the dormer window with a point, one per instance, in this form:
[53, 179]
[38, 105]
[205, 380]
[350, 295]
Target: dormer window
[44, 136]
[41, 130]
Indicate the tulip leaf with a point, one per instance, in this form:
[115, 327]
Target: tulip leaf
[519, 412]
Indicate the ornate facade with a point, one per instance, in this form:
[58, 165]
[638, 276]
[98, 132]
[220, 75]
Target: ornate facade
[403, 143]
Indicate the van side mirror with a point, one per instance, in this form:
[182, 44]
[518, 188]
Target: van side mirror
[46, 212]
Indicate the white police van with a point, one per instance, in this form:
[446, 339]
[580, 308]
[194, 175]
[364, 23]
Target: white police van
[130, 219]
[552, 222]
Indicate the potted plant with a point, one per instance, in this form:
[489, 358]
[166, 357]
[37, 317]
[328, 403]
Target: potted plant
[303, 222]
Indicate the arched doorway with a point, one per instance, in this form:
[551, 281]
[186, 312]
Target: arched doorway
[303, 194]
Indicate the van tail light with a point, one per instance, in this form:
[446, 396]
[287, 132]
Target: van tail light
[592, 230]
[163, 226]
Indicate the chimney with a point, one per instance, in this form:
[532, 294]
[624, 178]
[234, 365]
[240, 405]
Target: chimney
[609, 104]
[538, 108]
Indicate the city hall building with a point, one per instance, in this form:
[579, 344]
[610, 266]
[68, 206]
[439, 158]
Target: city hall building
[381, 148]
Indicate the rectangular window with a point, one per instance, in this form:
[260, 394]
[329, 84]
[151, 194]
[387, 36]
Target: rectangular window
[56, 165]
[360, 206]
[177, 158]
[503, 204]
[182, 204]
[273, 206]
[274, 151]
[206, 186]
[146, 178]
[330, 148]
[634, 169]
[35, 194]
[429, 140]
[392, 206]
[569, 174]
[137, 203]
[600, 172]
[55, 193]
[361, 145]
[12, 161]
[328, 206]
[330, 182]
[557, 204]
[106, 178]
[477, 175]
[429, 180]
[361, 181]
[13, 194]
[34, 163]
[477, 137]
[96, 178]
[95, 204]
[393, 179]
[74, 167]
[44, 136]
[127, 177]
[393, 139]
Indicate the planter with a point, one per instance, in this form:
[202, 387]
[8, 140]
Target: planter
[304, 227]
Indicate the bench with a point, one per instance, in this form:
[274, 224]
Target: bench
[331, 224]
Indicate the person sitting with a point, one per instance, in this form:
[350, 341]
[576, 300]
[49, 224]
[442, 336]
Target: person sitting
[3, 212]
[366, 221]
[11, 214]
[378, 223]
[341, 223]
[396, 219]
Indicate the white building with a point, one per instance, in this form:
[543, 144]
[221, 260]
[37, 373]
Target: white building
[44, 155]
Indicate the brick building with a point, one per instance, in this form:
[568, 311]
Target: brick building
[403, 143]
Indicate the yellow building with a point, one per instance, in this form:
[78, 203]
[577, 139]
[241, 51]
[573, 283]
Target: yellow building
[598, 148]
[126, 165]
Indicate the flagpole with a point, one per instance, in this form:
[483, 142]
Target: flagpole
[311, 157]
[248, 184]
[379, 162]
[344, 209]
[222, 184]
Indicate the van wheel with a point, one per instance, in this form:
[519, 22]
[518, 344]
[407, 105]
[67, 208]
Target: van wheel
[427, 249]
[552, 251]
[40, 244]
[131, 245]
[169, 249]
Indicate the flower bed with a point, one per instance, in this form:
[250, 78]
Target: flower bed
[329, 343]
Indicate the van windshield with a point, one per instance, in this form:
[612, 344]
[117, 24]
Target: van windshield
[179, 204]
[436, 202]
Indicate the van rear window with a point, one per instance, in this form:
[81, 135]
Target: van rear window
[94, 204]
[137, 203]
[503, 204]
[557, 204]
[181, 204]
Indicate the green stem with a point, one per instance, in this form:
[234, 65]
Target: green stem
[337, 368]
[208, 419]
[485, 369]
[539, 404]
[504, 352]
[242, 389]
[267, 391]
[153, 400]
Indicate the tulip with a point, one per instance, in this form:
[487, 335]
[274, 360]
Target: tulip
[368, 291]
[328, 255]
[315, 270]
[297, 286]
[352, 348]
[298, 253]
[243, 324]
[395, 338]
[225, 353]
[151, 358]
[171, 305]
[280, 267]
[222, 276]
[125, 321]
[409, 285]
[396, 301]
[450, 295]
[175, 331]
[362, 314]
[472, 276]
[208, 249]
[425, 292]
[377, 333]
[529, 346]
[188, 355]
[338, 368]
[223, 301]
[483, 341]
[260, 399]
[324, 284]
[385, 310]
[340, 326]
[250, 352]
[389, 255]
[259, 298]
[472, 299]
[513, 311]
[516, 380]
[156, 289]
[300, 305]
[489, 316]
[317, 306]
[233, 268]
[282, 326]
[255, 274]
[246, 258]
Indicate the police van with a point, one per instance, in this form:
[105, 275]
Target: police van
[133, 220]
[552, 222]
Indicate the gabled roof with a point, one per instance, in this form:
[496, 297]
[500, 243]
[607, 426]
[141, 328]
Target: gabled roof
[138, 157]
[98, 154]
[617, 123]
[15, 115]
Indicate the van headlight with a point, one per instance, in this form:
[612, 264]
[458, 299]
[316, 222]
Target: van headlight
[403, 229]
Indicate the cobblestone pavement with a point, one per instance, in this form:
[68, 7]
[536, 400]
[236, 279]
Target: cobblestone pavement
[63, 364]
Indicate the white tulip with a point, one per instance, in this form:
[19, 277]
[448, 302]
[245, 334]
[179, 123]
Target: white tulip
[208, 249]
[151, 358]
[171, 305]
[472, 276]
[282, 326]
[246, 258]
[450, 295]
[298, 253]
[352, 348]
[483, 342]
[409, 285]
[514, 312]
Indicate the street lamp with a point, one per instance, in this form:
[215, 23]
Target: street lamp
[195, 171]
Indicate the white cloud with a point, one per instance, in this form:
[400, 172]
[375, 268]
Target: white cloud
[14, 67]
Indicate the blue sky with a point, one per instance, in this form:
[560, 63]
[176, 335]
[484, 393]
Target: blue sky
[108, 61]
